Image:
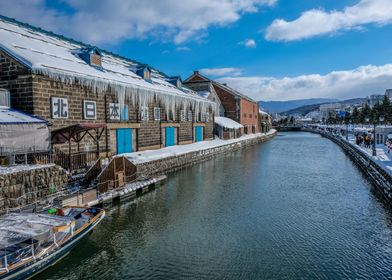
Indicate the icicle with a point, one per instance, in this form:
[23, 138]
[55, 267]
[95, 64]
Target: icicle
[137, 95]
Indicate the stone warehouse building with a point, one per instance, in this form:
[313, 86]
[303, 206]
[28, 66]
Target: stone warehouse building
[97, 101]
[230, 103]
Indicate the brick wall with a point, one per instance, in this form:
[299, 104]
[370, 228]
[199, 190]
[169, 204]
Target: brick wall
[33, 93]
[249, 115]
[229, 102]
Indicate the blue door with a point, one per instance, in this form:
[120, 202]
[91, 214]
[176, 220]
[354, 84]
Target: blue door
[124, 140]
[199, 133]
[169, 137]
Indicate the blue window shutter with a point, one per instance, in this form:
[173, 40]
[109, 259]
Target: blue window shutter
[124, 113]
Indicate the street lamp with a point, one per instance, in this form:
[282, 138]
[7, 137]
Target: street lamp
[381, 119]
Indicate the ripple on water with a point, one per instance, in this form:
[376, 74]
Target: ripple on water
[291, 208]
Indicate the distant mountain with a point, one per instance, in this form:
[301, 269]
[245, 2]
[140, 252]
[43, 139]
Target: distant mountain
[303, 110]
[282, 106]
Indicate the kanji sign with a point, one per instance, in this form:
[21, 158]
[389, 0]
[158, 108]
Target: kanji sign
[89, 109]
[59, 108]
[114, 111]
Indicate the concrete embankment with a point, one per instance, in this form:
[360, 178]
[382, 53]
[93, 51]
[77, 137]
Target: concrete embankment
[379, 177]
[174, 163]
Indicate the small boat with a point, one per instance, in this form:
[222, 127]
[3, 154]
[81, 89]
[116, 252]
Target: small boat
[32, 242]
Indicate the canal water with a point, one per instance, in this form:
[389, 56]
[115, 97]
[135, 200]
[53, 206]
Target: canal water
[292, 208]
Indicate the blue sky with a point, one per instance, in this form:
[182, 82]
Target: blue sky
[268, 49]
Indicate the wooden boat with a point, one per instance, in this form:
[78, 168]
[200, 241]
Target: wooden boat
[32, 242]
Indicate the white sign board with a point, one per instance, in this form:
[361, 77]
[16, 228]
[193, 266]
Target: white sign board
[114, 111]
[59, 108]
[89, 110]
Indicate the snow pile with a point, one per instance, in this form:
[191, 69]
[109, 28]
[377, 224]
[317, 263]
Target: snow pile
[151, 155]
[228, 123]
[18, 168]
[57, 58]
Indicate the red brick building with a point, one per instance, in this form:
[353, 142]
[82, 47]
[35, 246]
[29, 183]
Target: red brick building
[94, 98]
[232, 104]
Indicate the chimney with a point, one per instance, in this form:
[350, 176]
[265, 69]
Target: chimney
[196, 72]
[224, 84]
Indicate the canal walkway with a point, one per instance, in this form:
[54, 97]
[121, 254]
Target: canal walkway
[382, 157]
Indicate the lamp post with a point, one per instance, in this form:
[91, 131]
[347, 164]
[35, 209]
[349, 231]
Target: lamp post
[381, 119]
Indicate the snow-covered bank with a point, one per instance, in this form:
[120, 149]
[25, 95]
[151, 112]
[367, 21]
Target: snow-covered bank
[23, 167]
[151, 155]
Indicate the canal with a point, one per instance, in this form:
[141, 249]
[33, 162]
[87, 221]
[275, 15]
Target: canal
[292, 208]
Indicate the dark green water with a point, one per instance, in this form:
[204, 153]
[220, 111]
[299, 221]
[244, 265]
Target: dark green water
[292, 208]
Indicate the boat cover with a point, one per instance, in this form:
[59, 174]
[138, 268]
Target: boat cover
[16, 228]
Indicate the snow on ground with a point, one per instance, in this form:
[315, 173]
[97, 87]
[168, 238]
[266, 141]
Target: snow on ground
[17, 168]
[151, 155]
[382, 157]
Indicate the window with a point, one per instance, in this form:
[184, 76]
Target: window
[170, 116]
[144, 114]
[114, 111]
[244, 115]
[124, 113]
[250, 116]
[147, 74]
[182, 115]
[190, 116]
[202, 117]
[157, 113]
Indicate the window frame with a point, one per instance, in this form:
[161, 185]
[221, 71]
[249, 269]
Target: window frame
[157, 113]
[144, 114]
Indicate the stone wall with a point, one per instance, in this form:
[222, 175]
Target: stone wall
[376, 174]
[175, 163]
[26, 187]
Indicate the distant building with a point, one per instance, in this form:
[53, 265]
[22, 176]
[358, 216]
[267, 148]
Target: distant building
[265, 121]
[388, 93]
[316, 116]
[374, 99]
[329, 110]
[232, 104]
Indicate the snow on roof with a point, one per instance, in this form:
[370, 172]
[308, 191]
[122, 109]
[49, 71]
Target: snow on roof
[263, 113]
[11, 116]
[224, 86]
[204, 94]
[228, 123]
[57, 57]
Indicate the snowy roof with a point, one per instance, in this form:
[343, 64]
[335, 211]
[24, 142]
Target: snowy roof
[204, 94]
[11, 116]
[228, 123]
[58, 57]
[263, 113]
[224, 86]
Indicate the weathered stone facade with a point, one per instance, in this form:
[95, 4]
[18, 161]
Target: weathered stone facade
[26, 187]
[32, 93]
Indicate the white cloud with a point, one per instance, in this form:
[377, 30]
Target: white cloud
[104, 21]
[318, 22]
[249, 43]
[358, 82]
[183, 49]
[219, 72]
